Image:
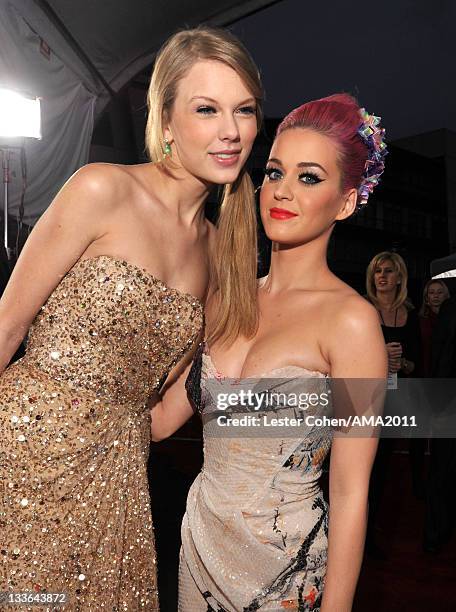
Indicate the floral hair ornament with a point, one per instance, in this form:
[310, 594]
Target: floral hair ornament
[373, 137]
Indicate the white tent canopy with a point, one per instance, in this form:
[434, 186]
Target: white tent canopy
[76, 56]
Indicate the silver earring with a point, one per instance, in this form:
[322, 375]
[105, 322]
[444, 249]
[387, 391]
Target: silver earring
[257, 189]
[167, 148]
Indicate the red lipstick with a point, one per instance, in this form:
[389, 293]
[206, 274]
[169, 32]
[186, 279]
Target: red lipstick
[281, 213]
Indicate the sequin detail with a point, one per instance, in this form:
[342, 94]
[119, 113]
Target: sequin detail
[75, 510]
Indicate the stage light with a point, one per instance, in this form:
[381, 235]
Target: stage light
[20, 118]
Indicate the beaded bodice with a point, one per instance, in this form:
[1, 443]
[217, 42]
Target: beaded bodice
[113, 329]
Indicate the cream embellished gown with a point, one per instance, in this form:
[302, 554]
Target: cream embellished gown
[254, 536]
[75, 512]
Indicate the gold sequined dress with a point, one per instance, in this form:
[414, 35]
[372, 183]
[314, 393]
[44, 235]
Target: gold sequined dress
[75, 512]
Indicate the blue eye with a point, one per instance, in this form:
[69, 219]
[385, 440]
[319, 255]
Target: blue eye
[309, 178]
[247, 110]
[273, 174]
[205, 110]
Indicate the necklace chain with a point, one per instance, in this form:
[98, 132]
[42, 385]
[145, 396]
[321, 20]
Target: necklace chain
[395, 318]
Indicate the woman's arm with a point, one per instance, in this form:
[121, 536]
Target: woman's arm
[172, 407]
[76, 218]
[356, 350]
[394, 351]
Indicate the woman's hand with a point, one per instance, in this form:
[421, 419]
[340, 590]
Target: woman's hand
[394, 350]
[406, 366]
[171, 408]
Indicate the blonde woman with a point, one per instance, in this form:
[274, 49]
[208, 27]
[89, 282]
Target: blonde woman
[386, 285]
[110, 285]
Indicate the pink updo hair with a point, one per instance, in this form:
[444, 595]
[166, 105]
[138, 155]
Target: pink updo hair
[338, 117]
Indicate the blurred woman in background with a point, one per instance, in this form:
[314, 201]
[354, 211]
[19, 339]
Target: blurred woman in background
[435, 292]
[387, 291]
[386, 284]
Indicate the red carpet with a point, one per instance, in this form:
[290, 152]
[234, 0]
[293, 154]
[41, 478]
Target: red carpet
[409, 580]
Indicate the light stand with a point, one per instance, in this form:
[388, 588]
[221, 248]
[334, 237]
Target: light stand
[6, 153]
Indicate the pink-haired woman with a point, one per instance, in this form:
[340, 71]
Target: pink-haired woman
[256, 535]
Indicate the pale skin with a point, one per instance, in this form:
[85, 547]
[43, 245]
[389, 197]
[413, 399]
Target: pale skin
[436, 295]
[386, 280]
[308, 318]
[139, 213]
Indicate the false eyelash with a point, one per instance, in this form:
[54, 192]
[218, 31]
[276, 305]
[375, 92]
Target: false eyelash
[316, 178]
[205, 109]
[251, 110]
[268, 171]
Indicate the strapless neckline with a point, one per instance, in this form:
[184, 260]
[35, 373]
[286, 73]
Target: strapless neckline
[154, 279]
[312, 373]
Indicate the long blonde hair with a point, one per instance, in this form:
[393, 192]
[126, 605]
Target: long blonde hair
[234, 264]
[400, 269]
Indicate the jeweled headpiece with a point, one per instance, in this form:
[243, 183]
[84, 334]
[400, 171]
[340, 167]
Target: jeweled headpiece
[373, 136]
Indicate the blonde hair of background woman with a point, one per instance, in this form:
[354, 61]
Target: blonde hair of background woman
[425, 308]
[234, 264]
[401, 269]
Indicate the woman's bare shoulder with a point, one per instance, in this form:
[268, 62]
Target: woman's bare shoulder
[353, 339]
[351, 313]
[97, 173]
[104, 183]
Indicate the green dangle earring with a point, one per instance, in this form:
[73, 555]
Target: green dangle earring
[167, 148]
